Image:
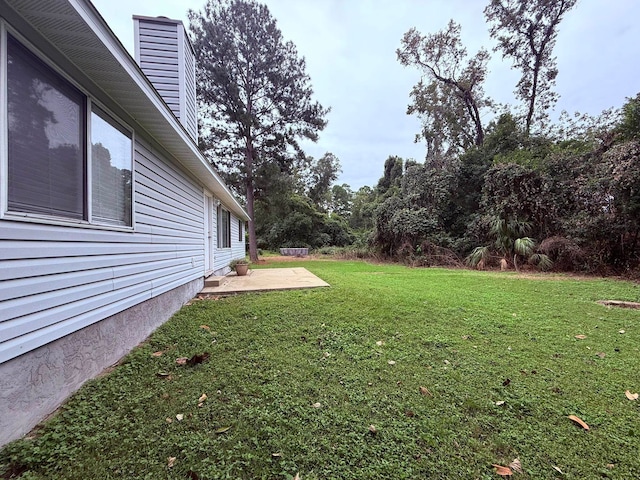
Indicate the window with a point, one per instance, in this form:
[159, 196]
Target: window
[240, 232]
[110, 170]
[46, 138]
[49, 152]
[224, 228]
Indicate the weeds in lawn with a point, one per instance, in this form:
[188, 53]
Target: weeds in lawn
[390, 373]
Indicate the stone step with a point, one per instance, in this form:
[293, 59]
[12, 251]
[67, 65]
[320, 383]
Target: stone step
[213, 281]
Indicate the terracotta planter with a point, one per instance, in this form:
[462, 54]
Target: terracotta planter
[242, 269]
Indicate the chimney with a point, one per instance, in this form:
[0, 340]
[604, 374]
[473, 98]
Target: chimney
[166, 56]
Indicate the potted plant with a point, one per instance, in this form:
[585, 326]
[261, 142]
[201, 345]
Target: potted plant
[240, 265]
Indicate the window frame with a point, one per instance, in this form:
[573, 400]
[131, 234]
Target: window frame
[224, 238]
[89, 102]
[240, 231]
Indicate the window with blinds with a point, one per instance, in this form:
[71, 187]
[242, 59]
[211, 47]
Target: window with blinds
[50, 154]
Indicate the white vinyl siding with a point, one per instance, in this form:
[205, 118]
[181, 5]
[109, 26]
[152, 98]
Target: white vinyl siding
[190, 114]
[224, 256]
[166, 56]
[55, 280]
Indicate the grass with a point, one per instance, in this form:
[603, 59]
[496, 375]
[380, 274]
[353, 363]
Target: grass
[472, 339]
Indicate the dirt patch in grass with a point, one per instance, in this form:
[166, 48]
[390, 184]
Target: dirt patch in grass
[619, 304]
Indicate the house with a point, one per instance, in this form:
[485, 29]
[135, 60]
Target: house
[110, 217]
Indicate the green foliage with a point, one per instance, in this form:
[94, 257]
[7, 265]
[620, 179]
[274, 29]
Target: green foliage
[510, 243]
[479, 257]
[296, 222]
[515, 191]
[460, 334]
[341, 200]
[363, 209]
[322, 173]
[392, 174]
[629, 127]
[238, 261]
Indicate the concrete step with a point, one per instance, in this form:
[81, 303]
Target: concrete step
[213, 281]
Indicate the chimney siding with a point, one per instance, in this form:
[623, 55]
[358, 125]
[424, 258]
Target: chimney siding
[165, 54]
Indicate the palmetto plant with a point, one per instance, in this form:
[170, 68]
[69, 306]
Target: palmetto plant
[510, 243]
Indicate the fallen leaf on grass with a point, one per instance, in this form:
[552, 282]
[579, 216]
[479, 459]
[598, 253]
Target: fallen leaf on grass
[502, 471]
[223, 429]
[391, 362]
[579, 421]
[180, 417]
[601, 354]
[171, 461]
[506, 382]
[316, 405]
[620, 331]
[169, 420]
[163, 374]
[581, 337]
[181, 360]
[516, 466]
[425, 391]
[276, 455]
[631, 396]
[372, 429]
[205, 327]
[557, 469]
[202, 398]
[499, 403]
[157, 354]
[297, 477]
[379, 343]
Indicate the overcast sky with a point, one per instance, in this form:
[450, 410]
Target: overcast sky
[349, 47]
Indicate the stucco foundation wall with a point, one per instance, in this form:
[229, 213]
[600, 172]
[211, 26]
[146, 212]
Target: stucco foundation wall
[34, 384]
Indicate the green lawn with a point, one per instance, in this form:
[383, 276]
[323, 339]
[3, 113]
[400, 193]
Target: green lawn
[295, 380]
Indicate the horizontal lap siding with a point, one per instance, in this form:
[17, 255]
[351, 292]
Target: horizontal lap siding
[223, 256]
[159, 60]
[55, 280]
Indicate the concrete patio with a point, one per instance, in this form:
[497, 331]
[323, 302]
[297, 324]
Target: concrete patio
[264, 280]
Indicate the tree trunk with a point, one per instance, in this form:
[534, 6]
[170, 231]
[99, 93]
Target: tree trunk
[253, 244]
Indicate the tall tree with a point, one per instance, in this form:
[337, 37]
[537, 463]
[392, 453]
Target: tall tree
[526, 31]
[322, 173]
[341, 200]
[255, 96]
[450, 98]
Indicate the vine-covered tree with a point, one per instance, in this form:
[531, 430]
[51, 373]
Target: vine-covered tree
[255, 96]
[450, 98]
[526, 32]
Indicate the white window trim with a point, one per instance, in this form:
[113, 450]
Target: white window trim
[5, 214]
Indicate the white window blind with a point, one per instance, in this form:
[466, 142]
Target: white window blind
[46, 139]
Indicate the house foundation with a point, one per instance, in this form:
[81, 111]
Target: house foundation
[33, 385]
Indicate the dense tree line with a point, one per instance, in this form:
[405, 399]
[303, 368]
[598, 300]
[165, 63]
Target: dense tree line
[500, 184]
[573, 201]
